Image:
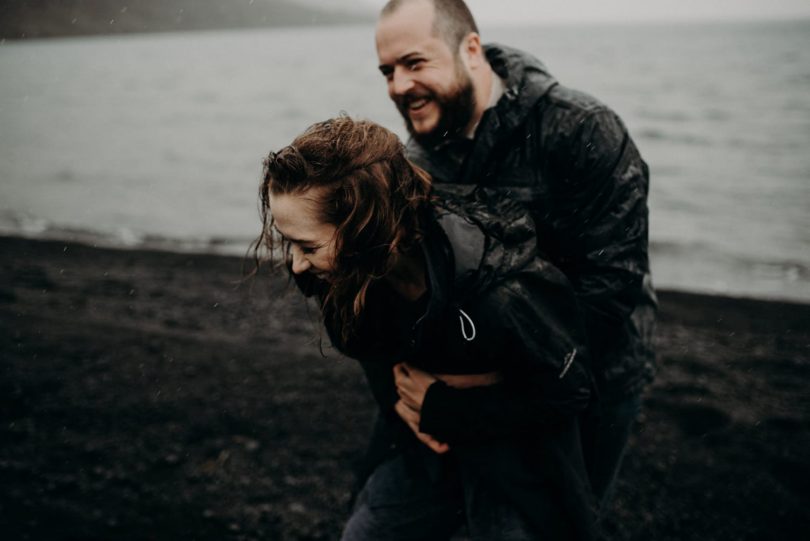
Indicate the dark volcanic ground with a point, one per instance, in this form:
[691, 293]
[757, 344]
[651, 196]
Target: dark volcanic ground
[143, 395]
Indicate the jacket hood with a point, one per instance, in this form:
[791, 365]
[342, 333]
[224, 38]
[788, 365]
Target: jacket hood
[480, 255]
[487, 237]
[526, 80]
[473, 241]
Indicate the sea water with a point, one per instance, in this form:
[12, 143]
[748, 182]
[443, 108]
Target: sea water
[157, 140]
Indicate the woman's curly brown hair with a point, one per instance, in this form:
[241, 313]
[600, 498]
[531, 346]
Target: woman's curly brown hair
[367, 189]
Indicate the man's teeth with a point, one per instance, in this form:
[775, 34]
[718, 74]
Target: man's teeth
[416, 104]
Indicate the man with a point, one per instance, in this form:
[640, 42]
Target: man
[492, 116]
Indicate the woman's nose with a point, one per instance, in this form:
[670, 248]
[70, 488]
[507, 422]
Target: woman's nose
[299, 262]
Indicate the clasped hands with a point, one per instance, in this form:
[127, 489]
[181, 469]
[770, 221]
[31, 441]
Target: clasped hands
[412, 385]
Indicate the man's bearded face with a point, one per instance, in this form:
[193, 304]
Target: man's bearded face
[439, 113]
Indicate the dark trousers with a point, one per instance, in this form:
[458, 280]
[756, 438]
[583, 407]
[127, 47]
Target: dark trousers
[608, 444]
[402, 501]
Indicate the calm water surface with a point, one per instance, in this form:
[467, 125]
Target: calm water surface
[157, 140]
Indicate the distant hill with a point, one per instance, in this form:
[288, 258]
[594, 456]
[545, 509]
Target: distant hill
[21, 19]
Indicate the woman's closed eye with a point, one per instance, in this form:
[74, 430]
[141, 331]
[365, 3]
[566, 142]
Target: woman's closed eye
[309, 249]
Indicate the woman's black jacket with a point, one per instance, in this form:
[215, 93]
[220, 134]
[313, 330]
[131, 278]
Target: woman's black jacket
[494, 304]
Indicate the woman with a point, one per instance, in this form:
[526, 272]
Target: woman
[470, 341]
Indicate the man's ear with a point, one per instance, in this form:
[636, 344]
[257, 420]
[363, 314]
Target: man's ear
[471, 50]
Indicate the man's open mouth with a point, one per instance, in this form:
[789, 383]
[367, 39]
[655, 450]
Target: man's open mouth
[417, 103]
[413, 103]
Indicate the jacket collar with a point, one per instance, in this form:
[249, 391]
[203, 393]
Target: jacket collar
[439, 267]
[526, 80]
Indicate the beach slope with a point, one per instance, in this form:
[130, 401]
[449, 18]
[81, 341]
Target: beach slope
[154, 395]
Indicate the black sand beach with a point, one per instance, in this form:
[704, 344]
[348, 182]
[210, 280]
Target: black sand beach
[145, 395]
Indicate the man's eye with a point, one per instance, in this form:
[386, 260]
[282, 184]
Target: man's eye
[414, 64]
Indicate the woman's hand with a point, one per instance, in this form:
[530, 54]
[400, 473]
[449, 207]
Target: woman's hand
[412, 385]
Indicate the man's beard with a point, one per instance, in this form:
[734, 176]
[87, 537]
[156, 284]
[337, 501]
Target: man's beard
[456, 109]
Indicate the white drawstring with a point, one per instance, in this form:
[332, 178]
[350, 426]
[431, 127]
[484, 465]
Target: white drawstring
[463, 329]
[567, 364]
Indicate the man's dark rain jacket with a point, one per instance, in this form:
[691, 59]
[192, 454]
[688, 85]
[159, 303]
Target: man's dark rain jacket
[570, 160]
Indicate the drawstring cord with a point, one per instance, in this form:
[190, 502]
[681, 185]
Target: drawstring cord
[461, 318]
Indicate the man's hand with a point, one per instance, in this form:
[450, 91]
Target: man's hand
[412, 384]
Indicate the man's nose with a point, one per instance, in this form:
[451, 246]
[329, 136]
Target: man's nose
[299, 262]
[401, 82]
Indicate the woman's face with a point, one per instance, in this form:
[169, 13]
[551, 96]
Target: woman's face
[312, 242]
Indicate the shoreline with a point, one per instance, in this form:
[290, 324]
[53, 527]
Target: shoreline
[148, 393]
[224, 248]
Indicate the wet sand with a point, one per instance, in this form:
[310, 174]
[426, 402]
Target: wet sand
[148, 395]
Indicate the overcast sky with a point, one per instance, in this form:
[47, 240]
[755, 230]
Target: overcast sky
[489, 12]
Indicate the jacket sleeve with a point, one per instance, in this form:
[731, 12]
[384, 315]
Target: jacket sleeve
[599, 203]
[534, 336]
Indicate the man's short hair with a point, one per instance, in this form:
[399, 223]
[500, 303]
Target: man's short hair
[452, 19]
